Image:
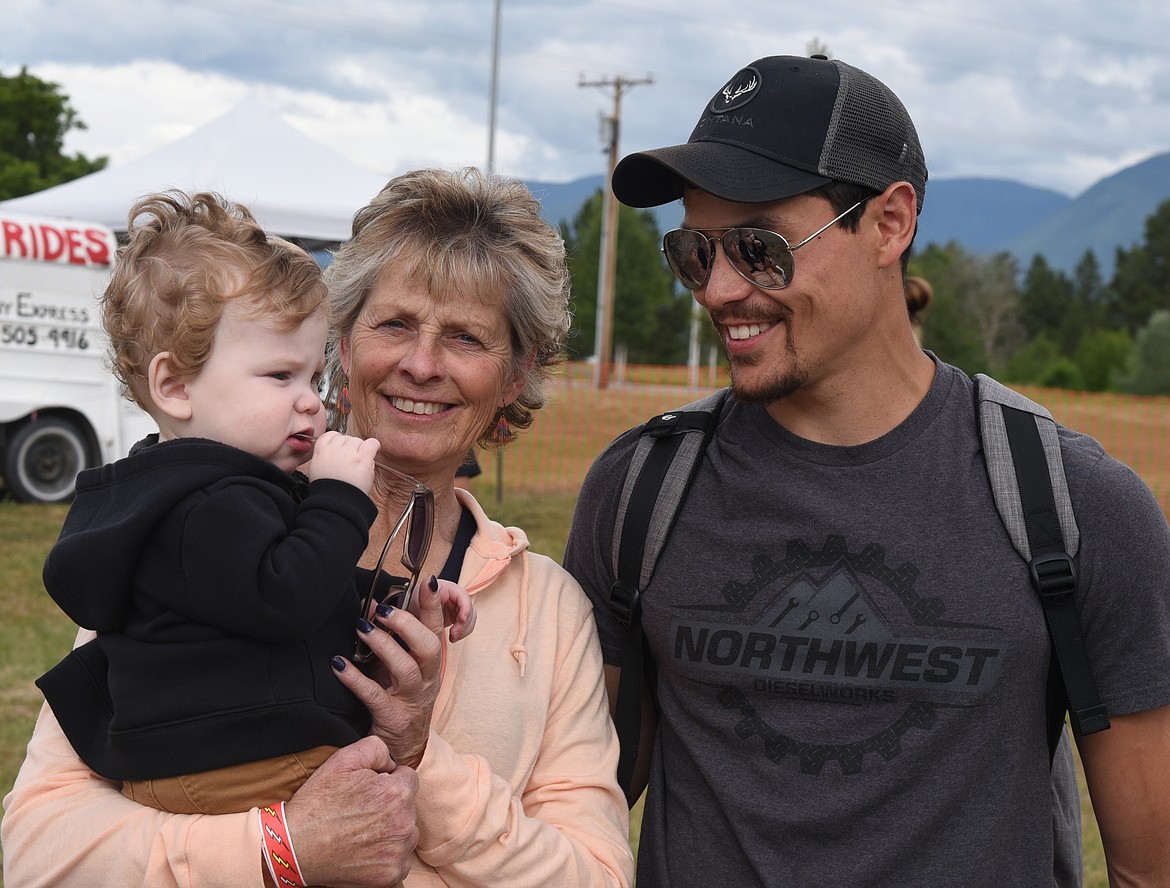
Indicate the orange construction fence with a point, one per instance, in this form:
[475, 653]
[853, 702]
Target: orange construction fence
[581, 419]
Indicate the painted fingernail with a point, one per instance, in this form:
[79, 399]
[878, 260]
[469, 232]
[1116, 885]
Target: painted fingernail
[364, 625]
[433, 584]
[339, 663]
[384, 610]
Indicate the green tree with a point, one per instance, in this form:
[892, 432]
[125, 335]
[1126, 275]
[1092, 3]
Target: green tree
[1090, 291]
[1066, 322]
[1091, 303]
[1102, 357]
[1062, 373]
[973, 321]
[945, 330]
[1044, 299]
[651, 317]
[1150, 364]
[35, 117]
[1141, 278]
[1031, 363]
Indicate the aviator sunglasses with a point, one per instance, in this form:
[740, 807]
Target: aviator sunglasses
[418, 519]
[759, 256]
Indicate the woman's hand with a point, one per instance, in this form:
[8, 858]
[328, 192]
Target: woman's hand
[401, 689]
[353, 823]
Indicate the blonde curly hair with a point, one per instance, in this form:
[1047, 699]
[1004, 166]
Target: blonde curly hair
[187, 256]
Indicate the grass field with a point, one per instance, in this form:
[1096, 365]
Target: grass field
[579, 420]
[35, 634]
[541, 474]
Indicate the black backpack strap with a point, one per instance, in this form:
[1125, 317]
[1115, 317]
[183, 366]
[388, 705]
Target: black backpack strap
[1022, 452]
[664, 462]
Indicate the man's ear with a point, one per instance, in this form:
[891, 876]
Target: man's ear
[167, 390]
[897, 222]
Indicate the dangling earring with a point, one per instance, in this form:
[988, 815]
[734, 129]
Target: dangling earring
[503, 433]
[337, 402]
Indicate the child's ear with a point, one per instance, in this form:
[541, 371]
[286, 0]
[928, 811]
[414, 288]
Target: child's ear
[167, 390]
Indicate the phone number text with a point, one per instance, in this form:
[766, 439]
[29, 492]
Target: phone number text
[35, 336]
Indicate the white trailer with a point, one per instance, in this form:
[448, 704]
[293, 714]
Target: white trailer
[61, 409]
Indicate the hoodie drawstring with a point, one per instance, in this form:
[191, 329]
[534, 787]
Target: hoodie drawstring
[520, 646]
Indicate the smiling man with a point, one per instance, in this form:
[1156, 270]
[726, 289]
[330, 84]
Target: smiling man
[850, 665]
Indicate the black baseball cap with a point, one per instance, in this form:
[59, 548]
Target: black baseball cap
[782, 126]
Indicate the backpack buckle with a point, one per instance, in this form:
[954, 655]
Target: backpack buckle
[621, 602]
[1054, 577]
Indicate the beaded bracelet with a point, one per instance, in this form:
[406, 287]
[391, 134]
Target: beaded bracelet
[278, 849]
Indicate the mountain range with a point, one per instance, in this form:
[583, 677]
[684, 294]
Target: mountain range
[987, 216]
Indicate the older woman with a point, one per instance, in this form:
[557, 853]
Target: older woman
[449, 306]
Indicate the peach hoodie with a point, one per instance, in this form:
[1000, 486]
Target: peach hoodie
[518, 782]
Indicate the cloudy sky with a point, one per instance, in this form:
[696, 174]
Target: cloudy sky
[1053, 93]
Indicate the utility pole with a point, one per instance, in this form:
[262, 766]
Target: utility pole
[607, 263]
[494, 90]
[491, 168]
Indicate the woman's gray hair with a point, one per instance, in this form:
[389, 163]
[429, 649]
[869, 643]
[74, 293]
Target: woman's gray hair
[462, 231]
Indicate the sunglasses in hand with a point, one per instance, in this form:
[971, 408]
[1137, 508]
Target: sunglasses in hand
[417, 521]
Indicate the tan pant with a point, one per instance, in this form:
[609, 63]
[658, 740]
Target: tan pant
[233, 789]
[230, 790]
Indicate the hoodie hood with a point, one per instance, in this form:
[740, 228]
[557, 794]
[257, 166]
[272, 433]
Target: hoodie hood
[491, 551]
[492, 547]
[118, 508]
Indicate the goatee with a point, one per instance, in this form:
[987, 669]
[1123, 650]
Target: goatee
[767, 387]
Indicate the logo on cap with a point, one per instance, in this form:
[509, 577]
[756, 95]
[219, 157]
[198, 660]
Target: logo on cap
[738, 92]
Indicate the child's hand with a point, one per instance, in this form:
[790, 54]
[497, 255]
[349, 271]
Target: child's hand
[458, 608]
[346, 459]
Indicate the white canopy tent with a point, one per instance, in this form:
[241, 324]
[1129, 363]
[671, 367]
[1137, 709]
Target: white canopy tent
[295, 186]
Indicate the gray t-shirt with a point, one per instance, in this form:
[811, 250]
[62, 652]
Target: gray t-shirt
[851, 663]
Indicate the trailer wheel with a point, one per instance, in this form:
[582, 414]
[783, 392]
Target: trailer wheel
[44, 458]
